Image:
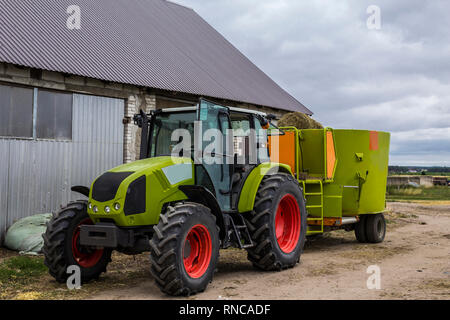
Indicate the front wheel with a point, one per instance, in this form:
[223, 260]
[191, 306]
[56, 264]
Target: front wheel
[277, 224]
[184, 249]
[62, 245]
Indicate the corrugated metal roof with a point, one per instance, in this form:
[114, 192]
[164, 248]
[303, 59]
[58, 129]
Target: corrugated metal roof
[152, 43]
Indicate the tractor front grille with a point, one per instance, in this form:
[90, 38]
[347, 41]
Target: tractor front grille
[106, 186]
[135, 200]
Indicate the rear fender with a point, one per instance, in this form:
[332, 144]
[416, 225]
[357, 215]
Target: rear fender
[251, 185]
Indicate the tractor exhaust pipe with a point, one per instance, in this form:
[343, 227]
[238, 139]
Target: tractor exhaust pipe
[142, 121]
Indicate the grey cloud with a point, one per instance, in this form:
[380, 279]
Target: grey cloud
[396, 79]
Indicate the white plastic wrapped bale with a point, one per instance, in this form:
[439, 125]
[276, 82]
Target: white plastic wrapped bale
[25, 235]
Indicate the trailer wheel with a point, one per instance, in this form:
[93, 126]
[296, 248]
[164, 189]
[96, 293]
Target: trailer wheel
[277, 224]
[62, 246]
[184, 249]
[360, 229]
[375, 228]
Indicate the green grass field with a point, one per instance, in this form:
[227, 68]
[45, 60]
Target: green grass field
[435, 174]
[409, 193]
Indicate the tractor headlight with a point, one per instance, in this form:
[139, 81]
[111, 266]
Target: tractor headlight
[95, 209]
[107, 209]
[117, 206]
[90, 206]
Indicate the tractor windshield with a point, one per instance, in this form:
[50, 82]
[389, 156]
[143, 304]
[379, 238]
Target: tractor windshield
[163, 125]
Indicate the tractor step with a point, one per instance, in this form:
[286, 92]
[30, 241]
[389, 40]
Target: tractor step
[237, 232]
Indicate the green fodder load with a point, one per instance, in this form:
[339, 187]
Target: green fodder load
[299, 120]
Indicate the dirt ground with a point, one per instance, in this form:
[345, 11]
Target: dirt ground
[414, 261]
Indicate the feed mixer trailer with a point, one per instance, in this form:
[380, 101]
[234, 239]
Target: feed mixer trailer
[264, 196]
[343, 174]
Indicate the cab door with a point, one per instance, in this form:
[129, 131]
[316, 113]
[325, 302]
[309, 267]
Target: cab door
[215, 161]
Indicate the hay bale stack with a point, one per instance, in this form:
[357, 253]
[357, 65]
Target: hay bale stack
[299, 120]
[316, 124]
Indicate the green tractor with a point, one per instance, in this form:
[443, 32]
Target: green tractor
[183, 209]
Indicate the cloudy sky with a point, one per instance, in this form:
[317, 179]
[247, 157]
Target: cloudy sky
[394, 79]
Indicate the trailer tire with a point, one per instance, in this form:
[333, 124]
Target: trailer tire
[375, 228]
[62, 249]
[360, 229]
[178, 265]
[275, 248]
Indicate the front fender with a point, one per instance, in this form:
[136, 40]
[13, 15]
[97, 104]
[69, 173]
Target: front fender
[81, 190]
[251, 185]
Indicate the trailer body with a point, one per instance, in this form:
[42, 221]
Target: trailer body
[343, 172]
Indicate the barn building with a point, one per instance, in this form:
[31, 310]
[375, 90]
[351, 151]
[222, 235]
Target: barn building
[71, 80]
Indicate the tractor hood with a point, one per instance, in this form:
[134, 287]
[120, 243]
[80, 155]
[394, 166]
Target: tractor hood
[134, 193]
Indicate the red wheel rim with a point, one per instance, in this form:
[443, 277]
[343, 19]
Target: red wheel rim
[84, 256]
[197, 251]
[287, 223]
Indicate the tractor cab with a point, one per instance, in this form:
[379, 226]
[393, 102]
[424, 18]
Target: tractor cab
[224, 143]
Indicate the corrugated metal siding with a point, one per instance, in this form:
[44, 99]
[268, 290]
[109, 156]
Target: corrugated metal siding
[41, 173]
[4, 162]
[152, 43]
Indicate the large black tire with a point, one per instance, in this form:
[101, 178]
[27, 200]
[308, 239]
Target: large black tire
[59, 245]
[170, 249]
[371, 228]
[360, 229]
[267, 253]
[375, 228]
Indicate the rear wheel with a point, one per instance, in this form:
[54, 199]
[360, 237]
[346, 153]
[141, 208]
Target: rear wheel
[184, 249]
[371, 228]
[360, 229]
[277, 224]
[62, 245]
[375, 228]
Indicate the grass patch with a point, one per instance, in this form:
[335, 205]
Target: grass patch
[21, 269]
[395, 193]
[428, 173]
[27, 278]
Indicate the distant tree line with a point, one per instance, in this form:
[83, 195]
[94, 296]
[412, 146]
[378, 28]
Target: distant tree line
[414, 169]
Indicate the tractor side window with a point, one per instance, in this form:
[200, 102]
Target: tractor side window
[258, 128]
[203, 179]
[163, 127]
[262, 141]
[240, 125]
